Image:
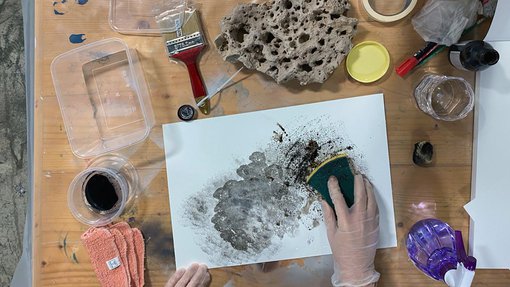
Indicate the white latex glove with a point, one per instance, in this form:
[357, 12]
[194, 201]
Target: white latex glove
[353, 235]
[197, 275]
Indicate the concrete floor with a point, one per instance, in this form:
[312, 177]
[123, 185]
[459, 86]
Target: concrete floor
[13, 138]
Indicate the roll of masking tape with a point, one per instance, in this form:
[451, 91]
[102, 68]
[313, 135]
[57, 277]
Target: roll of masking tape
[410, 4]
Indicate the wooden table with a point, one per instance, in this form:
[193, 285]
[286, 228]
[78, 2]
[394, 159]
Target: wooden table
[439, 191]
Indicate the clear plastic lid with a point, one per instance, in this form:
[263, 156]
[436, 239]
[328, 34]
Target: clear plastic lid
[103, 97]
[138, 16]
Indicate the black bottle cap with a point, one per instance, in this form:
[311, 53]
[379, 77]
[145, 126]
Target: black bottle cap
[186, 113]
[490, 57]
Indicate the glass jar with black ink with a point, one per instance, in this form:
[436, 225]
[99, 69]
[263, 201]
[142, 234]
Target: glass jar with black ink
[102, 192]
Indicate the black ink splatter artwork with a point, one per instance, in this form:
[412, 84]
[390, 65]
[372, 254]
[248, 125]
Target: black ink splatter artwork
[244, 206]
[242, 217]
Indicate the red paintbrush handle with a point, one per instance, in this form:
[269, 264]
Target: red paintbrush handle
[189, 57]
[196, 81]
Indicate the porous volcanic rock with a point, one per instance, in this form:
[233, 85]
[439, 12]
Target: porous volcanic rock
[303, 40]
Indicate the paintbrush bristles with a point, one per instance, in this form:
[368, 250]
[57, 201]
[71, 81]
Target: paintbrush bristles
[191, 25]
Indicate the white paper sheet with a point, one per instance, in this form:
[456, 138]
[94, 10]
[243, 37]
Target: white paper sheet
[499, 30]
[202, 155]
[490, 229]
[490, 225]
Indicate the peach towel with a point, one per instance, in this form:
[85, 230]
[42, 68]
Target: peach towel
[131, 260]
[105, 257]
[117, 253]
[140, 252]
[122, 246]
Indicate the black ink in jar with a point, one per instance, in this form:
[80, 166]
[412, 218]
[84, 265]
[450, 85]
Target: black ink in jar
[102, 191]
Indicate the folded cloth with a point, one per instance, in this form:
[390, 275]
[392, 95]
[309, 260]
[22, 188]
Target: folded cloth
[122, 246]
[131, 255]
[140, 253]
[105, 257]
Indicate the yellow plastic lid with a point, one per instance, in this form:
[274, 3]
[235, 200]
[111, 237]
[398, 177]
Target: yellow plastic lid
[368, 62]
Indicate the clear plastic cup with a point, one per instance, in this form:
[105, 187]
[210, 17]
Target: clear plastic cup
[88, 203]
[444, 98]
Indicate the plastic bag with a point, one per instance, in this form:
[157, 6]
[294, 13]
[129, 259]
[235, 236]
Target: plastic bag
[443, 21]
[170, 14]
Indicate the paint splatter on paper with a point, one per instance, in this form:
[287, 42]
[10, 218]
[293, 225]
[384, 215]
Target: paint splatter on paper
[214, 167]
[269, 199]
[245, 205]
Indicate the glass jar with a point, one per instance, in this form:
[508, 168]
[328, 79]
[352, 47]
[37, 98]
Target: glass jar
[444, 98]
[102, 192]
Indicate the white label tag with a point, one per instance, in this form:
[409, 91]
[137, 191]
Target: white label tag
[113, 263]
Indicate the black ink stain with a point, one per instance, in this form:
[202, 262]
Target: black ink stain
[267, 267]
[282, 128]
[74, 258]
[159, 242]
[272, 199]
[278, 136]
[302, 159]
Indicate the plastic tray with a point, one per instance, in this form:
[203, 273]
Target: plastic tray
[103, 97]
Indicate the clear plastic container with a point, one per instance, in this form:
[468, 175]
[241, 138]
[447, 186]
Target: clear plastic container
[93, 204]
[133, 17]
[103, 97]
[431, 246]
[138, 16]
[444, 98]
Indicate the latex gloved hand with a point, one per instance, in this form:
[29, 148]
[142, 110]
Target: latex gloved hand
[354, 233]
[197, 275]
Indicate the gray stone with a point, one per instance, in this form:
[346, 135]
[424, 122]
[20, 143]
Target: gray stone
[13, 139]
[303, 40]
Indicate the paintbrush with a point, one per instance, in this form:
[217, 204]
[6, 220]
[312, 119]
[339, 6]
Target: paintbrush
[185, 44]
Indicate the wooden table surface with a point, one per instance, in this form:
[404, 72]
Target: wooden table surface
[439, 191]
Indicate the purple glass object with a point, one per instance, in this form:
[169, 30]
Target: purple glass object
[468, 261]
[431, 246]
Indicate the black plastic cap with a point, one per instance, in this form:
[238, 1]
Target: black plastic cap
[186, 113]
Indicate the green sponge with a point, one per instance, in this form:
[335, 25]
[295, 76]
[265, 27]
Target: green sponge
[339, 167]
